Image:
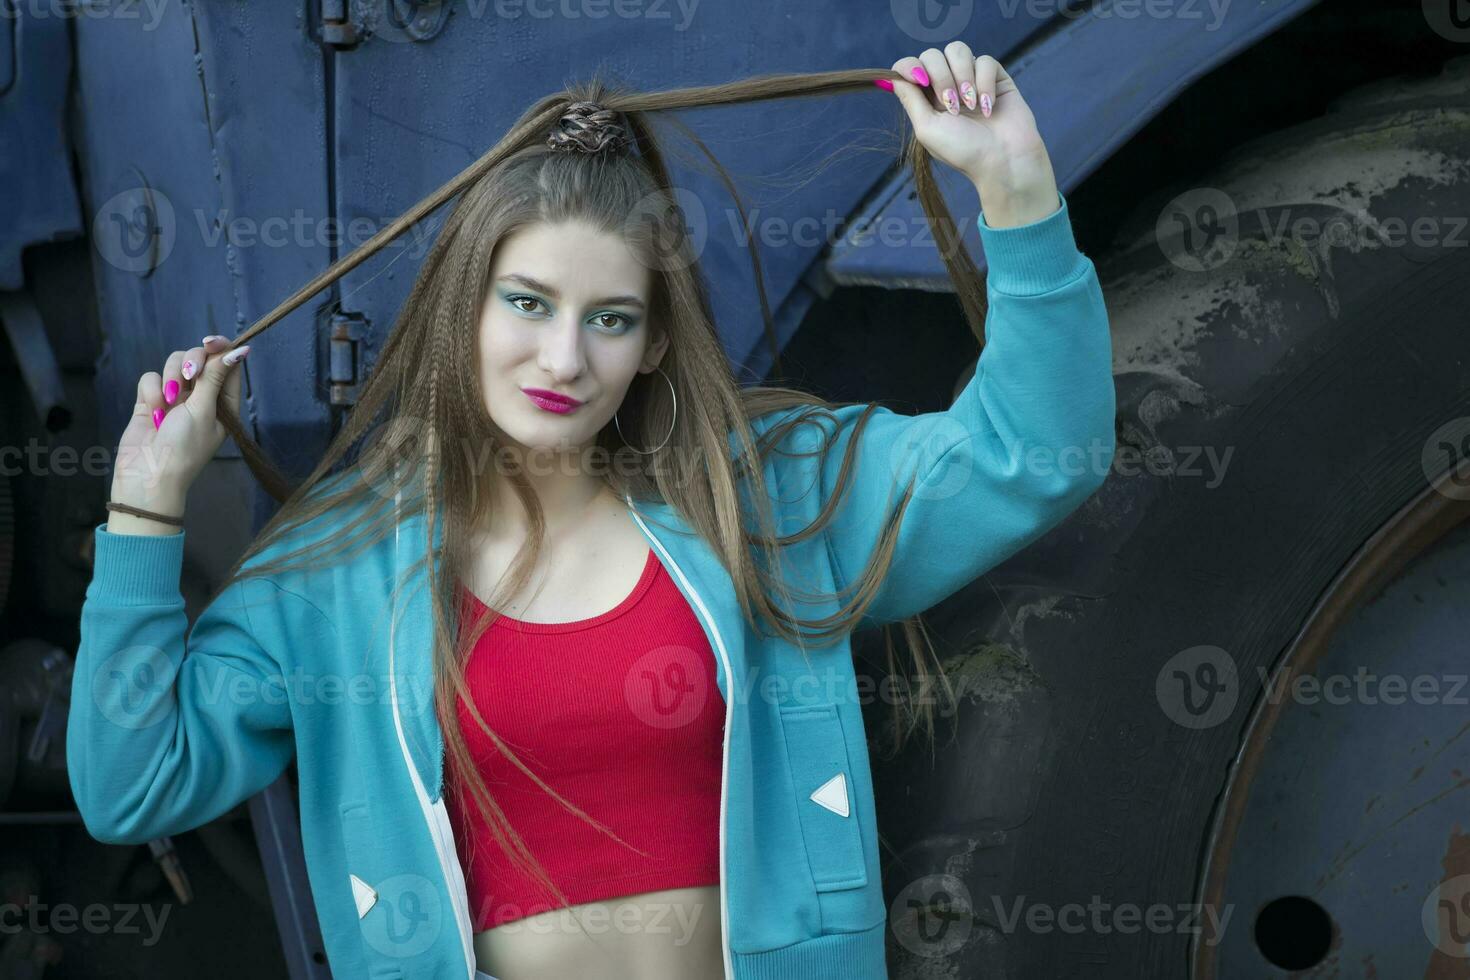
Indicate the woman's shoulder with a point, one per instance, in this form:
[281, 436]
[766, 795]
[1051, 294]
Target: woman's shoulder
[321, 516]
[768, 407]
[797, 422]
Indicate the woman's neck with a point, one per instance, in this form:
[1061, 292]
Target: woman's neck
[566, 503]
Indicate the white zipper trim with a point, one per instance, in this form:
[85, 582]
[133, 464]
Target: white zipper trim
[725, 747]
[435, 815]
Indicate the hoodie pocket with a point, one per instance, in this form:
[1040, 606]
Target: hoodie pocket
[816, 751]
[399, 911]
[363, 870]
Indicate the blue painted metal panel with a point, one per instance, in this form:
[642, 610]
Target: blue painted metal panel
[205, 175]
[38, 202]
[249, 120]
[384, 122]
[1092, 84]
[410, 115]
[8, 40]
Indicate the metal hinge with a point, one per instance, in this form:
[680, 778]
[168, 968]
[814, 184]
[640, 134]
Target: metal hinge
[344, 348]
[337, 27]
[393, 20]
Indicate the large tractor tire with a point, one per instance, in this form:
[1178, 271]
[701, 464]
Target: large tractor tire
[1123, 797]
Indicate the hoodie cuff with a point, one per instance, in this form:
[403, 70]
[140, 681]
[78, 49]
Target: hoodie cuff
[136, 569]
[1034, 258]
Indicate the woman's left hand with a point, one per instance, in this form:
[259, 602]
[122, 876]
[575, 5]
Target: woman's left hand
[1002, 153]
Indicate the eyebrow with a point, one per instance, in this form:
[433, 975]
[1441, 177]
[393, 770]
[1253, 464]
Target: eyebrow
[541, 287]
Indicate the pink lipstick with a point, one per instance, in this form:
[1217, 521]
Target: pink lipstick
[551, 401]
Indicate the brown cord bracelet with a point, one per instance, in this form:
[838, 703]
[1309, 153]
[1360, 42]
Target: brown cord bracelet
[161, 518]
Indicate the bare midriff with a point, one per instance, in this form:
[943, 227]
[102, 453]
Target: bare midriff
[673, 934]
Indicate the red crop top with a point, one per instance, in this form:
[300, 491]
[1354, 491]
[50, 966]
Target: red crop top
[620, 714]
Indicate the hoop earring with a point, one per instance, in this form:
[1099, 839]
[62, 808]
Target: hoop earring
[649, 452]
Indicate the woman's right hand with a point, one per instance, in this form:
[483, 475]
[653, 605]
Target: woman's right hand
[174, 430]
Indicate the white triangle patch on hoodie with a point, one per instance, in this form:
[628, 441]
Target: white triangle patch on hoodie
[832, 795]
[364, 894]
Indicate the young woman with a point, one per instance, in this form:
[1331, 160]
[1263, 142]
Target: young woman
[562, 653]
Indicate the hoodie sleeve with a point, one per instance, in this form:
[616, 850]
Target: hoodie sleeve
[162, 739]
[1025, 443]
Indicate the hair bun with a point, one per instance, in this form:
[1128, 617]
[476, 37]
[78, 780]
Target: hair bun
[586, 127]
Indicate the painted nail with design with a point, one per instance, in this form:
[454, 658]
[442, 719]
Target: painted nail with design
[951, 102]
[920, 75]
[188, 370]
[968, 91]
[985, 105]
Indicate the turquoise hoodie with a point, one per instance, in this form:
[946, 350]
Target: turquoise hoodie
[309, 663]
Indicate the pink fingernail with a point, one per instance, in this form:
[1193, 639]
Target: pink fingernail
[188, 370]
[969, 94]
[157, 417]
[951, 102]
[170, 391]
[883, 83]
[921, 76]
[985, 104]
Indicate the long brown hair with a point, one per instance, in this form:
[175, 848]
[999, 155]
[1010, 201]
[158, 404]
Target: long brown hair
[425, 385]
